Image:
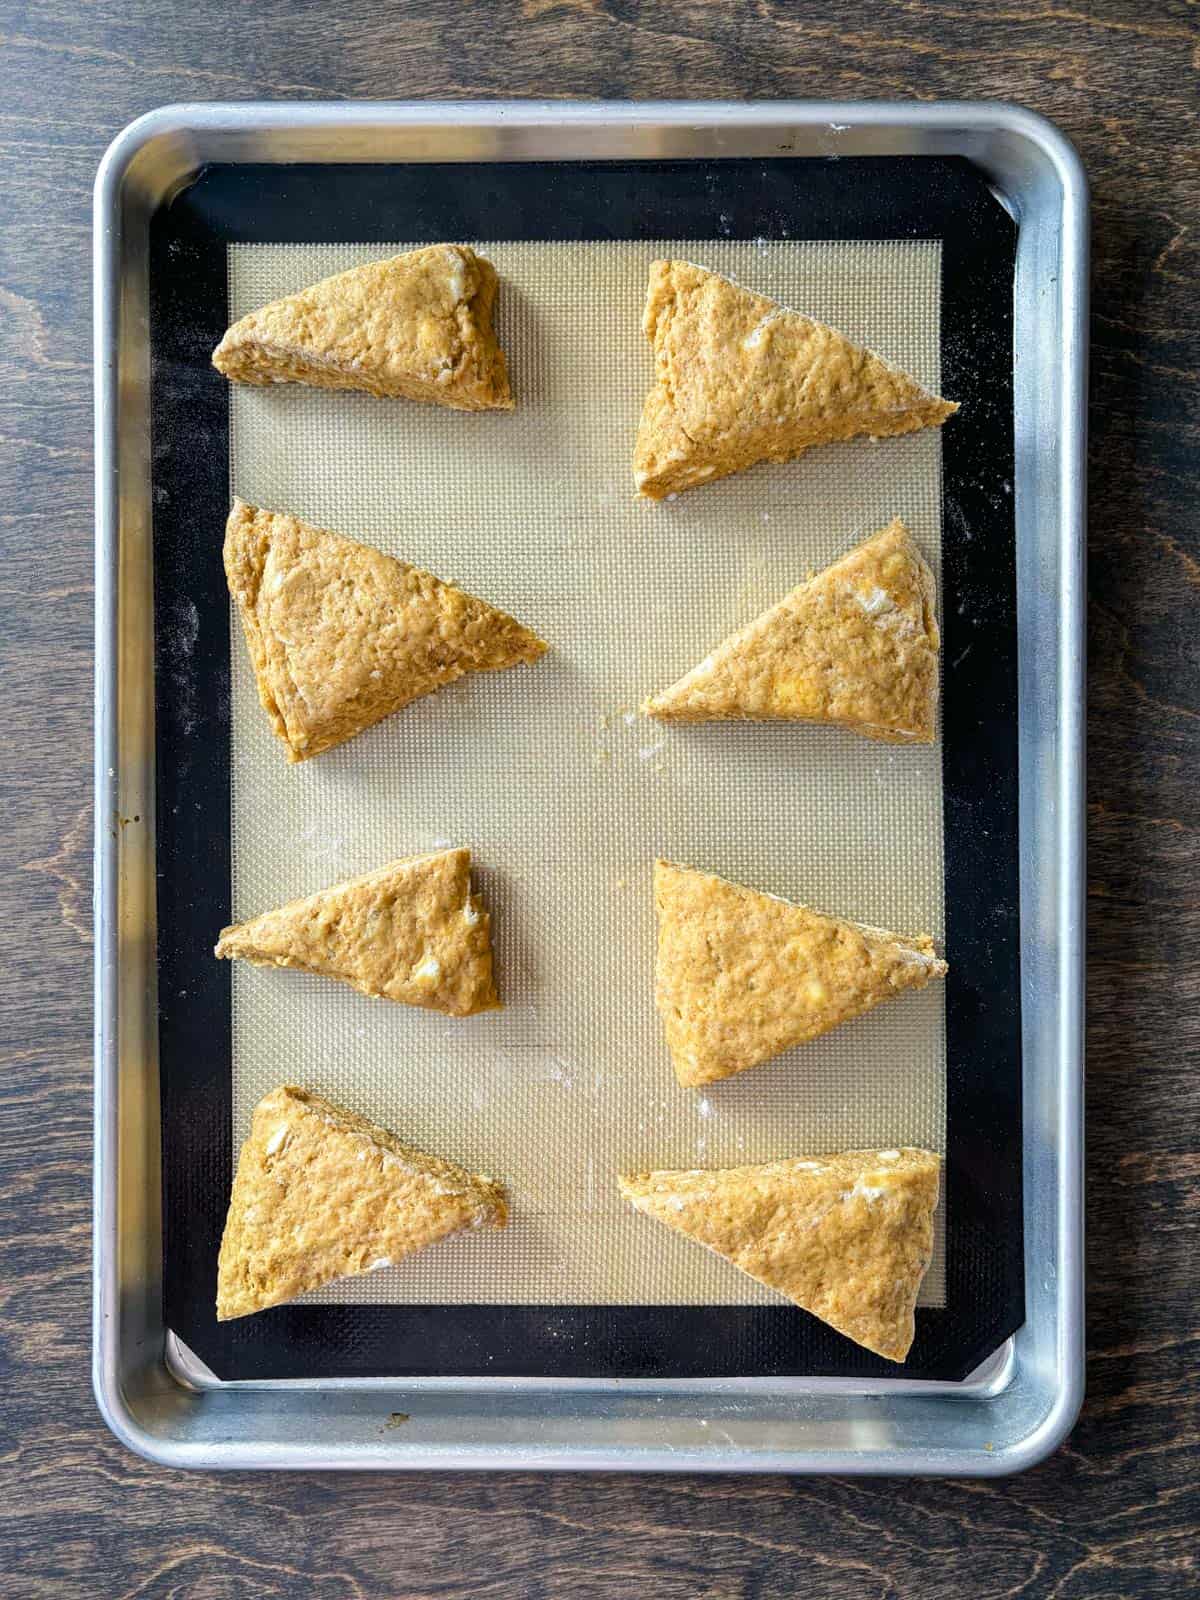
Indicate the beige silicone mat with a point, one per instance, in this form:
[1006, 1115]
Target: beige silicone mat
[563, 794]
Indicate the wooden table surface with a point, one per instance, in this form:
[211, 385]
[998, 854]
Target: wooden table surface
[1114, 1512]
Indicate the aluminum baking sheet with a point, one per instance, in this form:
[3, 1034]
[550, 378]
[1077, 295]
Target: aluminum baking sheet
[1010, 1414]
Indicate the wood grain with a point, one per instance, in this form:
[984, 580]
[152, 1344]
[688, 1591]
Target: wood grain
[1114, 1513]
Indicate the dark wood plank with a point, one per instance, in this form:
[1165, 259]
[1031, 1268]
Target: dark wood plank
[1115, 1511]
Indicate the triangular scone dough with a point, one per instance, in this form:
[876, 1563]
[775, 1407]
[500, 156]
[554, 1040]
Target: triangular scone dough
[341, 635]
[739, 379]
[856, 646]
[741, 975]
[321, 1193]
[848, 1236]
[411, 931]
[418, 326]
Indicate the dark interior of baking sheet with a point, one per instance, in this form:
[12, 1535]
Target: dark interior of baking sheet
[885, 198]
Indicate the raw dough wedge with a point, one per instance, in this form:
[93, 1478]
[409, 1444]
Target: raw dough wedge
[321, 1193]
[855, 646]
[847, 1237]
[411, 931]
[416, 327]
[740, 379]
[742, 976]
[341, 635]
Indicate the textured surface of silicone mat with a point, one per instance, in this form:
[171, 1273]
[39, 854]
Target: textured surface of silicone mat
[564, 795]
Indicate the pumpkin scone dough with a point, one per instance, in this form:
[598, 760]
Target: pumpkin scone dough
[321, 1193]
[411, 931]
[740, 379]
[856, 646]
[741, 976]
[848, 1237]
[341, 635]
[415, 327]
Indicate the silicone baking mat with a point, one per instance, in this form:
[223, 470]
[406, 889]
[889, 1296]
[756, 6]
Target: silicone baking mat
[563, 793]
